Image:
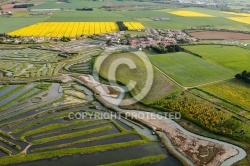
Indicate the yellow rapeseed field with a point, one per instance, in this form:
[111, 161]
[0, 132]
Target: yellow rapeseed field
[184, 13]
[241, 19]
[134, 25]
[238, 14]
[71, 29]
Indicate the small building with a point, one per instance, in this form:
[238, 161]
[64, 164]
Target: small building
[164, 19]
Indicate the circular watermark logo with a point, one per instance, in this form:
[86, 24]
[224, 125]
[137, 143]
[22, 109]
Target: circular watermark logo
[131, 64]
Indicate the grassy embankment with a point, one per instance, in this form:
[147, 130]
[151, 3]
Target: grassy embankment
[140, 161]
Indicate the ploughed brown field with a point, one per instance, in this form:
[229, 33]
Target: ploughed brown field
[220, 35]
[8, 7]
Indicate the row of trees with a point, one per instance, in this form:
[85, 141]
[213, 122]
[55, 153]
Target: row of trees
[121, 26]
[166, 49]
[244, 76]
[65, 39]
[84, 9]
[23, 6]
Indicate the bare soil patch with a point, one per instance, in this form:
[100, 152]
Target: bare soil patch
[217, 35]
[9, 8]
[215, 100]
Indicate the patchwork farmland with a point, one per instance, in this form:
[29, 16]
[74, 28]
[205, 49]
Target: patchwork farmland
[172, 89]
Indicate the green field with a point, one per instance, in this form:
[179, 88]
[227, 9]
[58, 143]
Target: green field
[216, 100]
[135, 162]
[9, 24]
[232, 90]
[212, 12]
[51, 4]
[96, 15]
[139, 75]
[232, 57]
[189, 70]
[178, 22]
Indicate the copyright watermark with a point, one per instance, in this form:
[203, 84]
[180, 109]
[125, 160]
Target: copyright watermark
[128, 115]
[144, 80]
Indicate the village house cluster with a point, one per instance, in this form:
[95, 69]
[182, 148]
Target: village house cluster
[21, 40]
[154, 37]
[5, 13]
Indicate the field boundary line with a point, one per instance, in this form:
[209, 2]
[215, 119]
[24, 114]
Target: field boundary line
[222, 67]
[210, 83]
[177, 83]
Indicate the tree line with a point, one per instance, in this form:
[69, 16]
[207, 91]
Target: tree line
[244, 76]
[166, 49]
[23, 6]
[121, 26]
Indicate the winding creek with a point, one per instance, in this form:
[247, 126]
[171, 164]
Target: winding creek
[239, 156]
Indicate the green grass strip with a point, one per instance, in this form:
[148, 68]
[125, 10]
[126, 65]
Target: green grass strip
[4, 87]
[5, 151]
[140, 161]
[76, 128]
[21, 157]
[26, 93]
[30, 109]
[26, 98]
[34, 116]
[29, 118]
[11, 92]
[70, 135]
[78, 142]
[120, 128]
[41, 87]
[3, 133]
[10, 144]
[3, 107]
[40, 121]
[51, 127]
